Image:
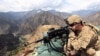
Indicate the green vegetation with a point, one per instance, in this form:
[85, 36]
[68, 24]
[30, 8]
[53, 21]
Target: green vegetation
[15, 48]
[19, 48]
[14, 52]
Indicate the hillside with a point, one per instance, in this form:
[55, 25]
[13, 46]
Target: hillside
[94, 18]
[7, 25]
[60, 14]
[43, 18]
[10, 21]
[26, 22]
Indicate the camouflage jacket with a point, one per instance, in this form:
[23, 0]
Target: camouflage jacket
[88, 37]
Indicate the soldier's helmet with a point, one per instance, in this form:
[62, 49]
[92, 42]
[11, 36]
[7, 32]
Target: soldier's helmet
[73, 19]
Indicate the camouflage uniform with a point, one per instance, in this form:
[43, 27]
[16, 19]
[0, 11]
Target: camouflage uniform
[85, 41]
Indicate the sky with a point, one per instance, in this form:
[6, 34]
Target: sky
[58, 5]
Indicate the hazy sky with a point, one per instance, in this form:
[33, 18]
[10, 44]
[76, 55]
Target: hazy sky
[59, 5]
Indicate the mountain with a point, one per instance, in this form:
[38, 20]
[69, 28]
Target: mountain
[32, 13]
[9, 21]
[60, 14]
[7, 24]
[27, 21]
[93, 18]
[83, 13]
[41, 18]
[13, 15]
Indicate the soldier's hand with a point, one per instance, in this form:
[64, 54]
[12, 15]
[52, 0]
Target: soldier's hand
[72, 52]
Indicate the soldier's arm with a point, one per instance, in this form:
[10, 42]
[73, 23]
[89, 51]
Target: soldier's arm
[83, 40]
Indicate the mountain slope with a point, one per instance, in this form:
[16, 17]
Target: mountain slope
[93, 18]
[7, 24]
[42, 18]
[60, 14]
[9, 21]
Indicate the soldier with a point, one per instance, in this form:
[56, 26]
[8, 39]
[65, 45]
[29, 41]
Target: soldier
[82, 38]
